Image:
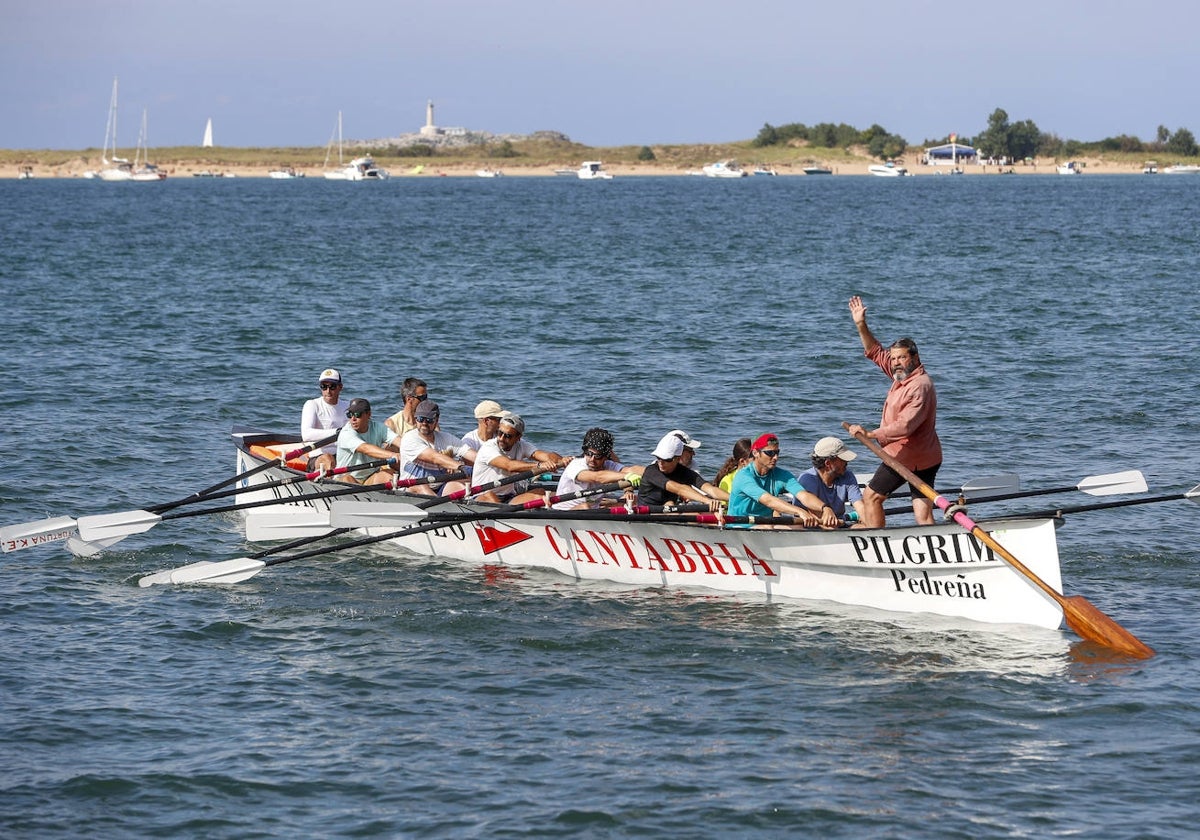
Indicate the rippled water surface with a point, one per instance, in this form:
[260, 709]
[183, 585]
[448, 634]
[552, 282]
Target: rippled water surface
[365, 694]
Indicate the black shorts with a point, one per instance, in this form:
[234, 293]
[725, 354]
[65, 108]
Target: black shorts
[887, 481]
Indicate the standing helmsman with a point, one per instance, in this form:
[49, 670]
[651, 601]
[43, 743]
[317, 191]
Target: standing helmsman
[908, 430]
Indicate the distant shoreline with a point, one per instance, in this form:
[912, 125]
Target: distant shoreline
[78, 164]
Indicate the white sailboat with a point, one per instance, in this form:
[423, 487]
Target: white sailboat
[359, 169]
[143, 169]
[114, 168]
[207, 142]
[123, 169]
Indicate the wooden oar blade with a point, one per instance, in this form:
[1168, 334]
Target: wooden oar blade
[1089, 622]
[225, 571]
[1007, 483]
[1113, 484]
[108, 525]
[347, 513]
[29, 534]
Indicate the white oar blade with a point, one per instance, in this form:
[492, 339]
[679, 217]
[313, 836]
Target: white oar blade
[107, 525]
[82, 548]
[29, 534]
[357, 514]
[1131, 481]
[226, 571]
[996, 484]
[291, 524]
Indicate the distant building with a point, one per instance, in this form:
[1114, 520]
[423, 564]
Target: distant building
[431, 130]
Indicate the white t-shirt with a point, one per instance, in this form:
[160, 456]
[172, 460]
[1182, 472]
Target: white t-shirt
[570, 482]
[485, 473]
[318, 419]
[412, 445]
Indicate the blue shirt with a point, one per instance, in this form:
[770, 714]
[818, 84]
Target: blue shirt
[844, 492]
[748, 487]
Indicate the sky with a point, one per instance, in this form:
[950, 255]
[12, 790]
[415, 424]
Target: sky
[621, 72]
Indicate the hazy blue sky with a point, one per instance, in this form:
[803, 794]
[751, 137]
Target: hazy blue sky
[276, 72]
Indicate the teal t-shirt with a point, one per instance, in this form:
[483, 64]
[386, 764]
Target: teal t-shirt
[749, 486]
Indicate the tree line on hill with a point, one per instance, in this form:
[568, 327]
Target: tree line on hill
[1001, 139]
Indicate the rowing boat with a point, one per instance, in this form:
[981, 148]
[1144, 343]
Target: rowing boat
[937, 569]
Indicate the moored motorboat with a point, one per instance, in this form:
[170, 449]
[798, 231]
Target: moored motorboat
[724, 169]
[887, 170]
[1182, 169]
[1069, 168]
[593, 170]
[817, 170]
[284, 173]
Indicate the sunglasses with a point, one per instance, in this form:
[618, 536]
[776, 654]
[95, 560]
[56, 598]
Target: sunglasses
[507, 435]
[770, 453]
[330, 386]
[592, 453]
[357, 414]
[418, 397]
[425, 419]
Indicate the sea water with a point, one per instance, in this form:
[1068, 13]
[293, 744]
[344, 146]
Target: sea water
[368, 694]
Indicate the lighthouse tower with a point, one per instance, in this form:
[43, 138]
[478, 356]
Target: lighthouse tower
[429, 129]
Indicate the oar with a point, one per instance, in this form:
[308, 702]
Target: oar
[281, 461]
[243, 568]
[127, 523]
[1111, 484]
[271, 526]
[54, 529]
[1192, 495]
[1081, 615]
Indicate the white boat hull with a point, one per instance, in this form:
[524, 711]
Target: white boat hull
[940, 570]
[883, 171]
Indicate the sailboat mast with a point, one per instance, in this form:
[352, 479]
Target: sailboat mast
[110, 127]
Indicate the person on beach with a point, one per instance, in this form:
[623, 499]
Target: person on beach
[758, 490]
[507, 454]
[739, 458]
[830, 479]
[322, 415]
[426, 451]
[668, 482]
[908, 430]
[363, 439]
[413, 392]
[596, 466]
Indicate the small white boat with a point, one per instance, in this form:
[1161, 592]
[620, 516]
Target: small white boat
[764, 170]
[724, 169]
[817, 170]
[1182, 169]
[25, 174]
[1069, 168]
[1151, 168]
[592, 170]
[488, 173]
[284, 173]
[887, 170]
